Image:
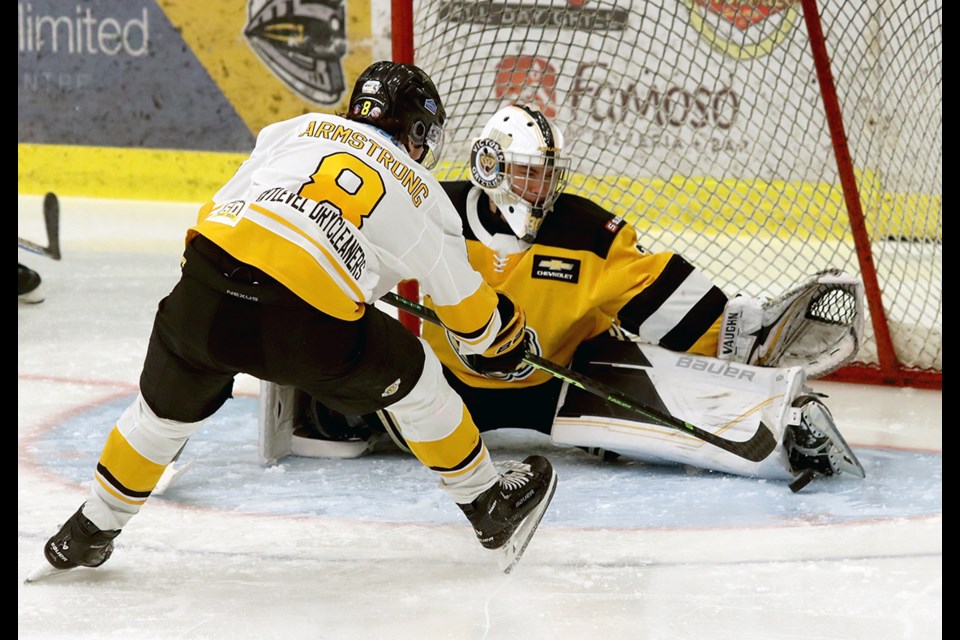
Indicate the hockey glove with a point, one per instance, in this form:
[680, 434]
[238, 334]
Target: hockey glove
[506, 353]
[79, 543]
[500, 365]
[817, 325]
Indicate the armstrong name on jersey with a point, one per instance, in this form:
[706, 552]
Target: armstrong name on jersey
[358, 140]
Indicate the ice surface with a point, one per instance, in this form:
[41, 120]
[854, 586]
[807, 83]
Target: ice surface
[371, 548]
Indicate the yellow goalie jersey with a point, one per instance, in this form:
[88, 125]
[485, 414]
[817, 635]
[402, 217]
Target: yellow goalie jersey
[584, 272]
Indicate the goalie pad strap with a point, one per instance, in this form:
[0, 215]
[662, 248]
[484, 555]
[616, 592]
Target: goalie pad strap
[739, 329]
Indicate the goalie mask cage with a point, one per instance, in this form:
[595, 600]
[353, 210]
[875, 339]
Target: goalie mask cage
[764, 140]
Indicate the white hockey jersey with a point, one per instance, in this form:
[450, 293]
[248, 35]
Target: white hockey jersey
[339, 213]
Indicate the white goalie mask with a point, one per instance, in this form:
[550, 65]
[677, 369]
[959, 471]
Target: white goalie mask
[517, 160]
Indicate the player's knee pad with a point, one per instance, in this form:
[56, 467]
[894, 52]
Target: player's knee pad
[432, 410]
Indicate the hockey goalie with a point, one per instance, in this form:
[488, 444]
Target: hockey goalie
[648, 324]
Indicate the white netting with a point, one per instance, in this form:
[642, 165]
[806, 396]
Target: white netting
[702, 122]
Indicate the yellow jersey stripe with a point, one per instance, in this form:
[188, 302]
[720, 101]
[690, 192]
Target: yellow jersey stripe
[277, 257]
[299, 238]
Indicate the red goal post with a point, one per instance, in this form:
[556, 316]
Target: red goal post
[764, 140]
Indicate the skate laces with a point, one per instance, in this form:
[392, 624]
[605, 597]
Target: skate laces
[513, 474]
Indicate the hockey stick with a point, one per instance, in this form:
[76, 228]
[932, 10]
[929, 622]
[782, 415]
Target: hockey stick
[757, 448]
[51, 219]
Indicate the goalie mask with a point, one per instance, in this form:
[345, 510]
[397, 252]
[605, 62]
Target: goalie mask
[517, 162]
[402, 101]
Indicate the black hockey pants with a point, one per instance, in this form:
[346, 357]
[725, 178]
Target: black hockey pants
[224, 317]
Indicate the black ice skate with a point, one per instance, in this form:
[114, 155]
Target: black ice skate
[79, 543]
[815, 446]
[28, 285]
[506, 515]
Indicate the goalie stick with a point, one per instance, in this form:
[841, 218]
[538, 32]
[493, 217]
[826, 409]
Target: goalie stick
[51, 219]
[757, 448]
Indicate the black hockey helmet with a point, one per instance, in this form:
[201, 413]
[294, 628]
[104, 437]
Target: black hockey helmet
[401, 100]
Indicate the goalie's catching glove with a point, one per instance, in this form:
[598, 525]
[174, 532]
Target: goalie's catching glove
[79, 543]
[817, 325]
[506, 353]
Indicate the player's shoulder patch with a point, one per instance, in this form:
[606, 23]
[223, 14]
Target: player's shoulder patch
[614, 224]
[579, 224]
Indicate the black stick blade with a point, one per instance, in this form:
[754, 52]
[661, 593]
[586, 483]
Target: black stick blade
[51, 218]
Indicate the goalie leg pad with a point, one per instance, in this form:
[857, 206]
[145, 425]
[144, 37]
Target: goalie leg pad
[715, 395]
[278, 411]
[293, 423]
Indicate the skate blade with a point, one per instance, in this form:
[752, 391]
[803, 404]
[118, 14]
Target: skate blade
[170, 475]
[44, 571]
[512, 551]
[847, 461]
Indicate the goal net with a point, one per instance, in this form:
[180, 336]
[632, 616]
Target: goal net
[762, 141]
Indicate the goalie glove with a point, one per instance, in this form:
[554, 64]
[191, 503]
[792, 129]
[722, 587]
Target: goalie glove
[506, 353]
[817, 325]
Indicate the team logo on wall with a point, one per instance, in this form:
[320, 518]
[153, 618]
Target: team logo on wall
[303, 42]
[486, 161]
[527, 80]
[744, 29]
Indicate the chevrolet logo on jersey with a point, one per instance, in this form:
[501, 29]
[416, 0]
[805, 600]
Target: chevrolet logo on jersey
[554, 268]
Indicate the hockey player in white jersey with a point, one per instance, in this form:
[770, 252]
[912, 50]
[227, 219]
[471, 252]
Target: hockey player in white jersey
[279, 277]
[648, 324]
